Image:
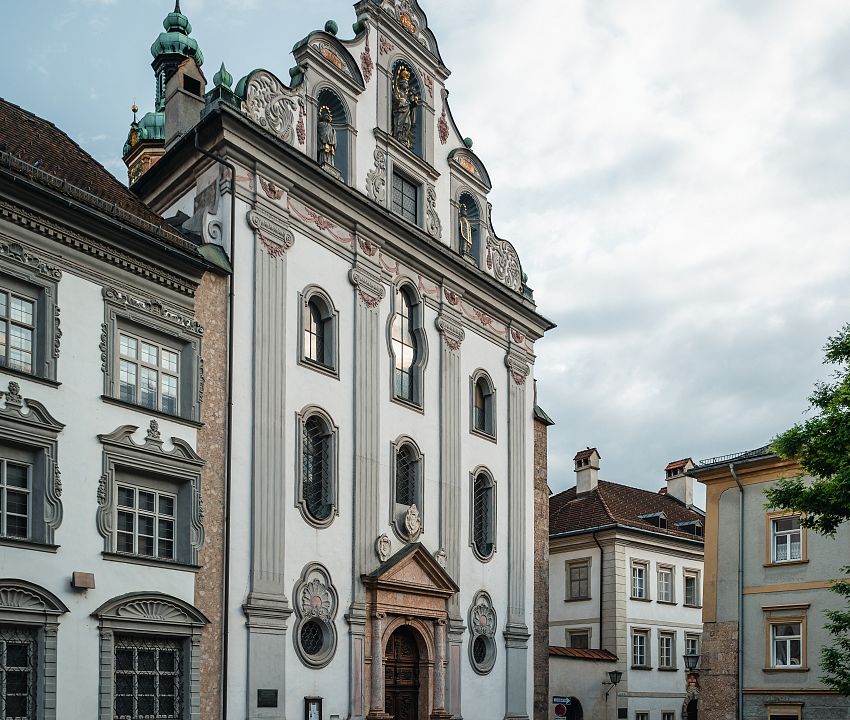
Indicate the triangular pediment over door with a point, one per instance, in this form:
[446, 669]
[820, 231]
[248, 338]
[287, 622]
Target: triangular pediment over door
[412, 570]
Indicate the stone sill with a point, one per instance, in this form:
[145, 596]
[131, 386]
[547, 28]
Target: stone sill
[785, 563]
[667, 602]
[641, 667]
[151, 411]
[29, 376]
[779, 671]
[639, 599]
[151, 562]
[28, 544]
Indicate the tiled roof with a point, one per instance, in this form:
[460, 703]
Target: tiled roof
[584, 454]
[582, 653]
[615, 504]
[678, 464]
[35, 148]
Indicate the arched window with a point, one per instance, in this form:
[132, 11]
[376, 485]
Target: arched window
[406, 107]
[317, 485]
[483, 526]
[406, 514]
[407, 346]
[469, 227]
[319, 330]
[483, 418]
[332, 134]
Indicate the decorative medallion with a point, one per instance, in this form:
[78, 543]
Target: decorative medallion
[467, 164]
[272, 191]
[366, 62]
[315, 599]
[383, 547]
[407, 23]
[412, 521]
[482, 616]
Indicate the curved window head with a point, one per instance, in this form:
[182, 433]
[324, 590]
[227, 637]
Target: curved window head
[406, 107]
[318, 336]
[406, 513]
[469, 227]
[406, 346]
[332, 134]
[317, 486]
[483, 413]
[483, 516]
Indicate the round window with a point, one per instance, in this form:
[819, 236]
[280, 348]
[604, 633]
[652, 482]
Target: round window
[479, 650]
[312, 638]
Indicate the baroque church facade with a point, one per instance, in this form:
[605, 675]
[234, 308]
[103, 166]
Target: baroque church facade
[380, 434]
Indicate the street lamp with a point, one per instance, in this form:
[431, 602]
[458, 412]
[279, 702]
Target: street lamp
[691, 662]
[614, 677]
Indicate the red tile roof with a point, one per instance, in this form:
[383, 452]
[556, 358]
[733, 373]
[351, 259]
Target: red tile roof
[584, 454]
[35, 148]
[615, 504]
[678, 464]
[582, 653]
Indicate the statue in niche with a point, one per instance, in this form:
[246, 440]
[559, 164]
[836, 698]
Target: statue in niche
[327, 136]
[465, 229]
[404, 108]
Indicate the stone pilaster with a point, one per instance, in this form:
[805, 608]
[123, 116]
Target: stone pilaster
[267, 608]
[440, 670]
[516, 629]
[368, 293]
[451, 474]
[376, 696]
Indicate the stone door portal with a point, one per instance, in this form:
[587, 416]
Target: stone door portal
[401, 667]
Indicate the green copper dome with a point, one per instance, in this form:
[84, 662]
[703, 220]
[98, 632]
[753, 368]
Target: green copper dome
[175, 40]
[150, 127]
[223, 78]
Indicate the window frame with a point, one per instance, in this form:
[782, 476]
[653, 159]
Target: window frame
[586, 562]
[301, 418]
[482, 623]
[151, 616]
[406, 180]
[489, 430]
[26, 274]
[420, 337]
[697, 575]
[770, 539]
[690, 637]
[156, 514]
[141, 365]
[29, 606]
[29, 434]
[152, 321]
[314, 293]
[315, 582]
[671, 636]
[646, 634]
[397, 514]
[645, 566]
[148, 466]
[785, 615]
[482, 471]
[786, 711]
[578, 632]
[671, 571]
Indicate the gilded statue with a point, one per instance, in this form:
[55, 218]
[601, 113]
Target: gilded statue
[465, 229]
[405, 101]
[327, 136]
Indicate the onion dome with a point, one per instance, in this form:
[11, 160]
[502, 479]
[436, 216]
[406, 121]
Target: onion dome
[223, 78]
[175, 40]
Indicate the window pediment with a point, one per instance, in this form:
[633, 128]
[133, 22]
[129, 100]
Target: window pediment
[413, 569]
[151, 607]
[26, 597]
[27, 411]
[122, 437]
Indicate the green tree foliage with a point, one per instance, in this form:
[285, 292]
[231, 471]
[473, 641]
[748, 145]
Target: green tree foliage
[822, 447]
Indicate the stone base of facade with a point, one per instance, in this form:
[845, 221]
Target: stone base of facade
[819, 706]
[719, 676]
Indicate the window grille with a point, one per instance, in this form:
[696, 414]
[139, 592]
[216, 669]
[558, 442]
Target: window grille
[479, 650]
[148, 373]
[148, 679]
[404, 346]
[17, 331]
[482, 521]
[316, 455]
[787, 539]
[146, 520]
[406, 472]
[18, 670]
[405, 201]
[312, 638]
[15, 492]
[579, 580]
[314, 334]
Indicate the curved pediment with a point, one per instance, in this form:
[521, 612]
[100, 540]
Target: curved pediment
[26, 410]
[271, 104]
[123, 437]
[467, 161]
[332, 52]
[22, 596]
[413, 19]
[151, 607]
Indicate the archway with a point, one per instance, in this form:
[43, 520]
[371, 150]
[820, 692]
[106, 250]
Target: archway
[574, 710]
[692, 712]
[401, 666]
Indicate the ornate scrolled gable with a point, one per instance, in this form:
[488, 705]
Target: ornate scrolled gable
[20, 596]
[412, 18]
[470, 165]
[331, 52]
[151, 607]
[272, 105]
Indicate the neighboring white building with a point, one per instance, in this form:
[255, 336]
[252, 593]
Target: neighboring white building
[626, 577]
[104, 475]
[381, 551]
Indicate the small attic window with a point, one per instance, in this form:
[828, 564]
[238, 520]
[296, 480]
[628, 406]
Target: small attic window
[583, 462]
[694, 527]
[658, 519]
[675, 471]
[192, 85]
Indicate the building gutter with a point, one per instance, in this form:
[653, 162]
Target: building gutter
[228, 444]
[601, 567]
[740, 709]
[639, 531]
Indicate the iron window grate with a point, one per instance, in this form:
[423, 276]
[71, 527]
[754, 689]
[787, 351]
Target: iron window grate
[405, 476]
[317, 468]
[18, 671]
[482, 522]
[148, 679]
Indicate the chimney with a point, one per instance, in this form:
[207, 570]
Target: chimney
[680, 484]
[587, 470]
[184, 100]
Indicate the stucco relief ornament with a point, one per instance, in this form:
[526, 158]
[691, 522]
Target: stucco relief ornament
[383, 547]
[366, 63]
[441, 557]
[316, 600]
[484, 620]
[270, 105]
[376, 178]
[505, 262]
[153, 431]
[405, 101]
[386, 45]
[443, 127]
[13, 395]
[435, 227]
[412, 521]
[301, 130]
[272, 191]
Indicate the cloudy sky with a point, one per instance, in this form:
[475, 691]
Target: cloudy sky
[675, 175]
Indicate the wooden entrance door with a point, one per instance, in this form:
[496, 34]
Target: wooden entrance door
[401, 669]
